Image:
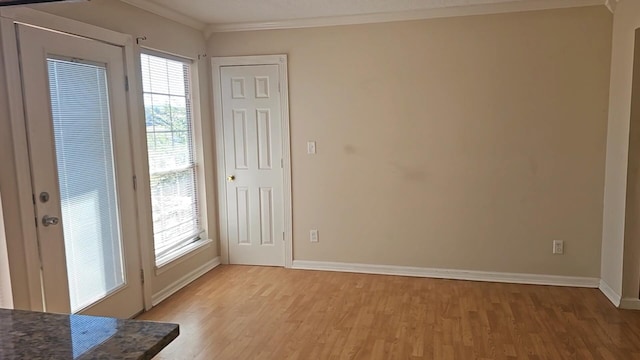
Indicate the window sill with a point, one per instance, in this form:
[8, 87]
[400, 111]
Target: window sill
[168, 261]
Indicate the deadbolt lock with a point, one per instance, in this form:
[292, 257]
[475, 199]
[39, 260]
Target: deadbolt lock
[44, 196]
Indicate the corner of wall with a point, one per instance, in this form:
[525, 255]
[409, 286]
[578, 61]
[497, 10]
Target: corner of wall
[615, 252]
[611, 294]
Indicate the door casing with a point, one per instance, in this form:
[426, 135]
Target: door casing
[216, 64]
[30, 269]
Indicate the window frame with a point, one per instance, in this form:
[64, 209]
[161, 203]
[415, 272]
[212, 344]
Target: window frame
[167, 261]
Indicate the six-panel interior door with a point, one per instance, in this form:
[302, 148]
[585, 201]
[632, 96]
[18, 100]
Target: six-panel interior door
[77, 122]
[252, 122]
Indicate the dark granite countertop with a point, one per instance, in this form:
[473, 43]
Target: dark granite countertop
[35, 336]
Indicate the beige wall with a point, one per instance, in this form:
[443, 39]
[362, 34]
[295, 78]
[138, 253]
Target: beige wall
[163, 35]
[464, 143]
[616, 250]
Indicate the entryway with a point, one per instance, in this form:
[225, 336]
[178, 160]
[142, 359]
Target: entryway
[80, 158]
[252, 132]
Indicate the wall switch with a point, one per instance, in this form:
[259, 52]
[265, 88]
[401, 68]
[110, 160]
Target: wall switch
[311, 147]
[313, 235]
[558, 247]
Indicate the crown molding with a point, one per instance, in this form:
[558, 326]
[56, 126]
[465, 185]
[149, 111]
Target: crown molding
[442, 12]
[611, 4]
[485, 9]
[167, 13]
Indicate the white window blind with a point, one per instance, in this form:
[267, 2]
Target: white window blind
[172, 164]
[86, 179]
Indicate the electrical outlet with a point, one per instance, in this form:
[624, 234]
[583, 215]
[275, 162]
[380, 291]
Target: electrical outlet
[311, 147]
[558, 247]
[313, 235]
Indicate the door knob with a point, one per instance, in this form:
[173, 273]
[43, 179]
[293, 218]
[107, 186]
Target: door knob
[231, 178]
[50, 220]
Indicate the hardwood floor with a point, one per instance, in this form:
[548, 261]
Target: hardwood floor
[243, 312]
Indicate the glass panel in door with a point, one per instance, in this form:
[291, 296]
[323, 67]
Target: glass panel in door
[86, 179]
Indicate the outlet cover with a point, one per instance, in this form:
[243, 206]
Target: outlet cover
[311, 147]
[558, 247]
[313, 235]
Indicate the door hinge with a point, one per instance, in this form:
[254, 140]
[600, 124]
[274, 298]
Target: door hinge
[126, 83]
[135, 183]
[283, 236]
[142, 275]
[36, 219]
[279, 89]
[281, 163]
[33, 198]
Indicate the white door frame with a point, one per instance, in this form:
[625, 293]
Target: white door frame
[216, 64]
[8, 17]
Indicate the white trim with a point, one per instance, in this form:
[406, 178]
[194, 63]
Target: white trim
[166, 13]
[611, 294]
[287, 176]
[184, 281]
[500, 277]
[163, 54]
[220, 170]
[281, 61]
[22, 164]
[58, 23]
[630, 304]
[442, 12]
[611, 5]
[180, 255]
[134, 108]
[6, 295]
[141, 171]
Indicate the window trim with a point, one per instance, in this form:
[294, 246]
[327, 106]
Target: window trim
[153, 52]
[166, 261]
[169, 261]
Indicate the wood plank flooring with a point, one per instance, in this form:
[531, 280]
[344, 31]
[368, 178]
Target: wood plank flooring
[244, 312]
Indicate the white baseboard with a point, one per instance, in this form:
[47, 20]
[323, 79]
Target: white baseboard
[630, 304]
[184, 281]
[501, 277]
[610, 293]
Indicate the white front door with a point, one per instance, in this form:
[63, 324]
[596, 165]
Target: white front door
[252, 125]
[80, 157]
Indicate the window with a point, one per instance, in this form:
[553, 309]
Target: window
[172, 164]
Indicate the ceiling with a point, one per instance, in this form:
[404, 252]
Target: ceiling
[200, 13]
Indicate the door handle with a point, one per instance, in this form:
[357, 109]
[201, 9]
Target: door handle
[231, 178]
[50, 220]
